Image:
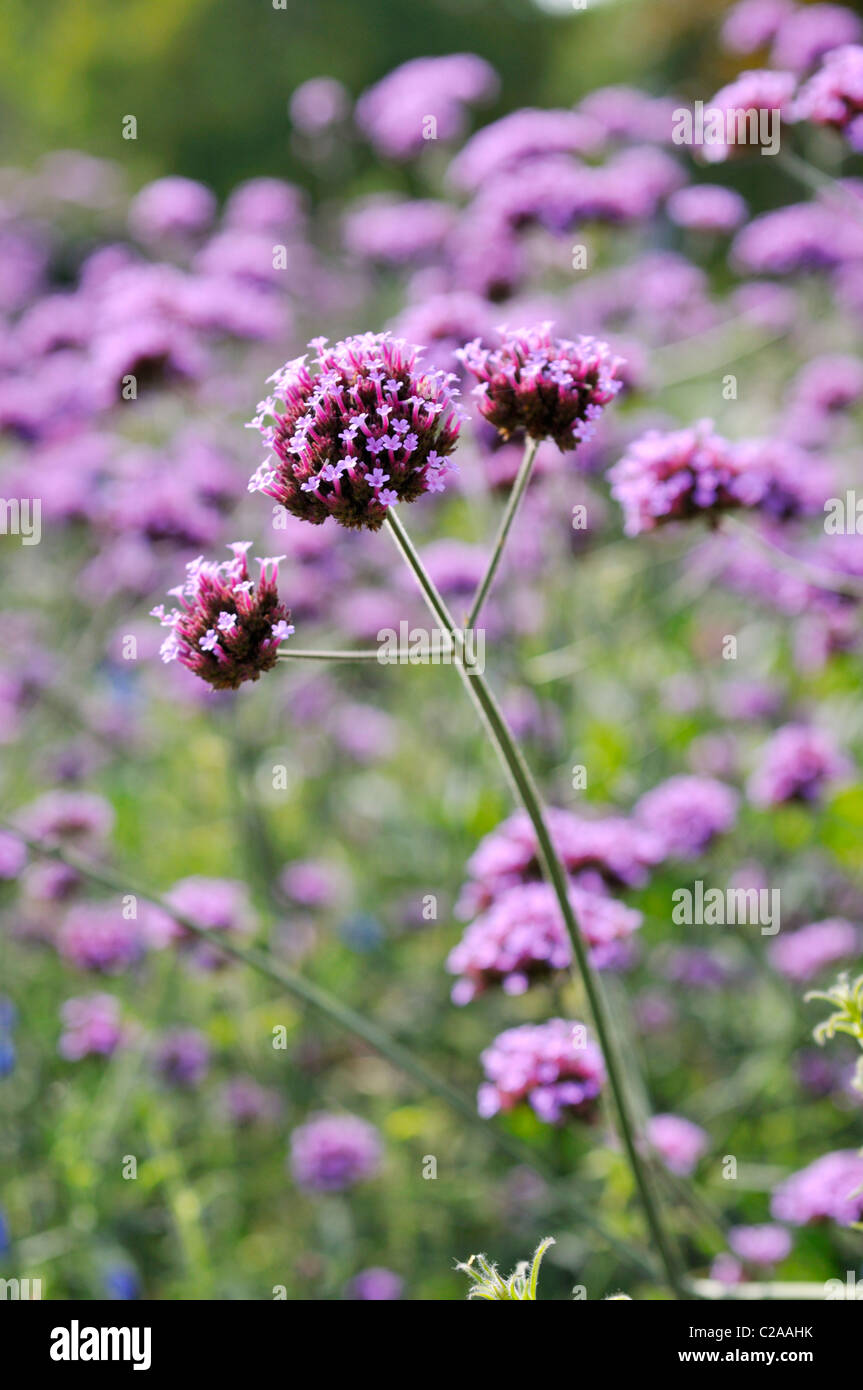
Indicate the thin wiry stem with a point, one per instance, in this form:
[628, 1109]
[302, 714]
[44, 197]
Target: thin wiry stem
[519, 488]
[344, 1017]
[362, 654]
[527, 793]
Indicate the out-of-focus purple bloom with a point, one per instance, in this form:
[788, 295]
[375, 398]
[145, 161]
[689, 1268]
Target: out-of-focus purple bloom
[219, 905]
[554, 1066]
[171, 209]
[319, 104]
[610, 850]
[265, 205]
[91, 1025]
[797, 763]
[398, 232]
[95, 936]
[748, 699]
[624, 113]
[671, 476]
[80, 819]
[245, 1103]
[311, 882]
[522, 936]
[751, 24]
[829, 1189]
[744, 102]
[375, 1285]
[13, 855]
[679, 1142]
[760, 1245]
[182, 1058]
[522, 136]
[808, 32]
[443, 322]
[543, 386]
[687, 813]
[330, 1153]
[707, 207]
[802, 955]
[368, 430]
[834, 96]
[825, 387]
[424, 99]
[726, 1269]
[228, 629]
[696, 968]
[800, 237]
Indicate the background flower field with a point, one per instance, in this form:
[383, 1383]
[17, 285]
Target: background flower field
[161, 1130]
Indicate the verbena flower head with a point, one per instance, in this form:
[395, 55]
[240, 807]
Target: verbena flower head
[333, 1152]
[96, 936]
[687, 813]
[228, 627]
[831, 1188]
[672, 475]
[368, 428]
[809, 31]
[834, 96]
[522, 936]
[679, 1142]
[610, 851]
[545, 387]
[217, 904]
[91, 1026]
[803, 954]
[375, 1285]
[760, 1245]
[797, 763]
[182, 1057]
[553, 1066]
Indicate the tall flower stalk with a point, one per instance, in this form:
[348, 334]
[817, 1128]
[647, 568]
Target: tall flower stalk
[522, 781]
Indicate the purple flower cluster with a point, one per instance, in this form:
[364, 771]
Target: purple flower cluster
[834, 96]
[830, 1189]
[91, 1027]
[395, 114]
[182, 1058]
[522, 936]
[687, 813]
[545, 387]
[370, 429]
[94, 936]
[670, 476]
[677, 1141]
[802, 955]
[611, 851]
[217, 904]
[330, 1153]
[760, 1245]
[798, 763]
[228, 628]
[554, 1066]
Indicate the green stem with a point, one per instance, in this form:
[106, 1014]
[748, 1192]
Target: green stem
[365, 654]
[344, 1017]
[513, 501]
[522, 781]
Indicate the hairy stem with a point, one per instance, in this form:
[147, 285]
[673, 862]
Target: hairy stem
[527, 792]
